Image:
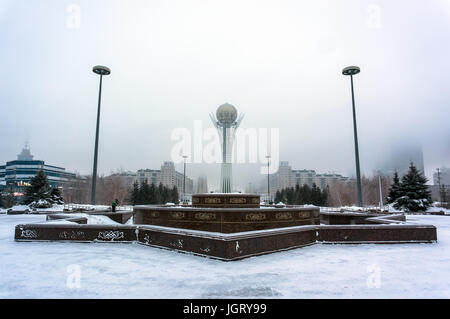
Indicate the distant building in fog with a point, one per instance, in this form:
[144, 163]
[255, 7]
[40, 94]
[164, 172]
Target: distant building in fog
[287, 177]
[166, 176]
[153, 176]
[202, 185]
[250, 188]
[127, 177]
[400, 157]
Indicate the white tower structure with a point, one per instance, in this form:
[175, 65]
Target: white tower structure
[226, 121]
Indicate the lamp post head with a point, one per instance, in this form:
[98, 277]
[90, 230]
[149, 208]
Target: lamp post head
[351, 70]
[101, 70]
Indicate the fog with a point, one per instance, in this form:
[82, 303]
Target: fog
[174, 62]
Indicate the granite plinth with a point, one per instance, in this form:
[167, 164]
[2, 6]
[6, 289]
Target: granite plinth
[225, 220]
[229, 247]
[377, 234]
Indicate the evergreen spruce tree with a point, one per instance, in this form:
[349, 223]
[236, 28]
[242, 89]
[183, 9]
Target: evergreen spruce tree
[38, 194]
[283, 196]
[145, 197]
[414, 193]
[174, 195]
[10, 199]
[2, 205]
[160, 194]
[394, 189]
[297, 195]
[315, 195]
[134, 194]
[290, 195]
[305, 195]
[277, 197]
[56, 196]
[324, 197]
[154, 194]
[165, 195]
[300, 195]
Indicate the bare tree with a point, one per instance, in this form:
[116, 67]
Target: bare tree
[109, 188]
[344, 193]
[112, 187]
[77, 190]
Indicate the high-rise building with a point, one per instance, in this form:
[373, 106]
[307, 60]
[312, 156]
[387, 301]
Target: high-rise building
[166, 176]
[202, 185]
[285, 176]
[401, 156]
[153, 176]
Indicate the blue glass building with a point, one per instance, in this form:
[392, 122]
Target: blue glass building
[17, 174]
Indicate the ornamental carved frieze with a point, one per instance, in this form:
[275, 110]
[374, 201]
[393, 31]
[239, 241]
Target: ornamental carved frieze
[154, 214]
[255, 216]
[205, 216]
[28, 233]
[177, 243]
[71, 235]
[110, 235]
[213, 200]
[283, 216]
[238, 200]
[147, 239]
[303, 215]
[177, 215]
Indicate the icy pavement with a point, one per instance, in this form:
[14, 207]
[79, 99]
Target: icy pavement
[46, 270]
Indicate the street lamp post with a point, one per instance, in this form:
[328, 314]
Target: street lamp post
[268, 179]
[381, 193]
[184, 179]
[100, 70]
[353, 70]
[439, 183]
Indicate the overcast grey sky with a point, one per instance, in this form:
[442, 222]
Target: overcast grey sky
[174, 62]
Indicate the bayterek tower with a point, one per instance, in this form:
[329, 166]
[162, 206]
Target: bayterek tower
[226, 121]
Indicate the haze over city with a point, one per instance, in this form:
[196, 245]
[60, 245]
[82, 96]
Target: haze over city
[174, 62]
[189, 151]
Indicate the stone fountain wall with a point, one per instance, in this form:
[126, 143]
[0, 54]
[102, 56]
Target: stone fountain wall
[225, 220]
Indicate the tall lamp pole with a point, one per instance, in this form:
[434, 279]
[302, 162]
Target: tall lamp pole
[100, 70]
[439, 183]
[184, 179]
[381, 193]
[268, 179]
[353, 70]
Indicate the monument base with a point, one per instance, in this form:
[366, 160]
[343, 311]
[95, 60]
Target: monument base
[229, 247]
[225, 220]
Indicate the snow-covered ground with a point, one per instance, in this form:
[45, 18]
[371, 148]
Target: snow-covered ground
[388, 208]
[91, 219]
[59, 208]
[48, 270]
